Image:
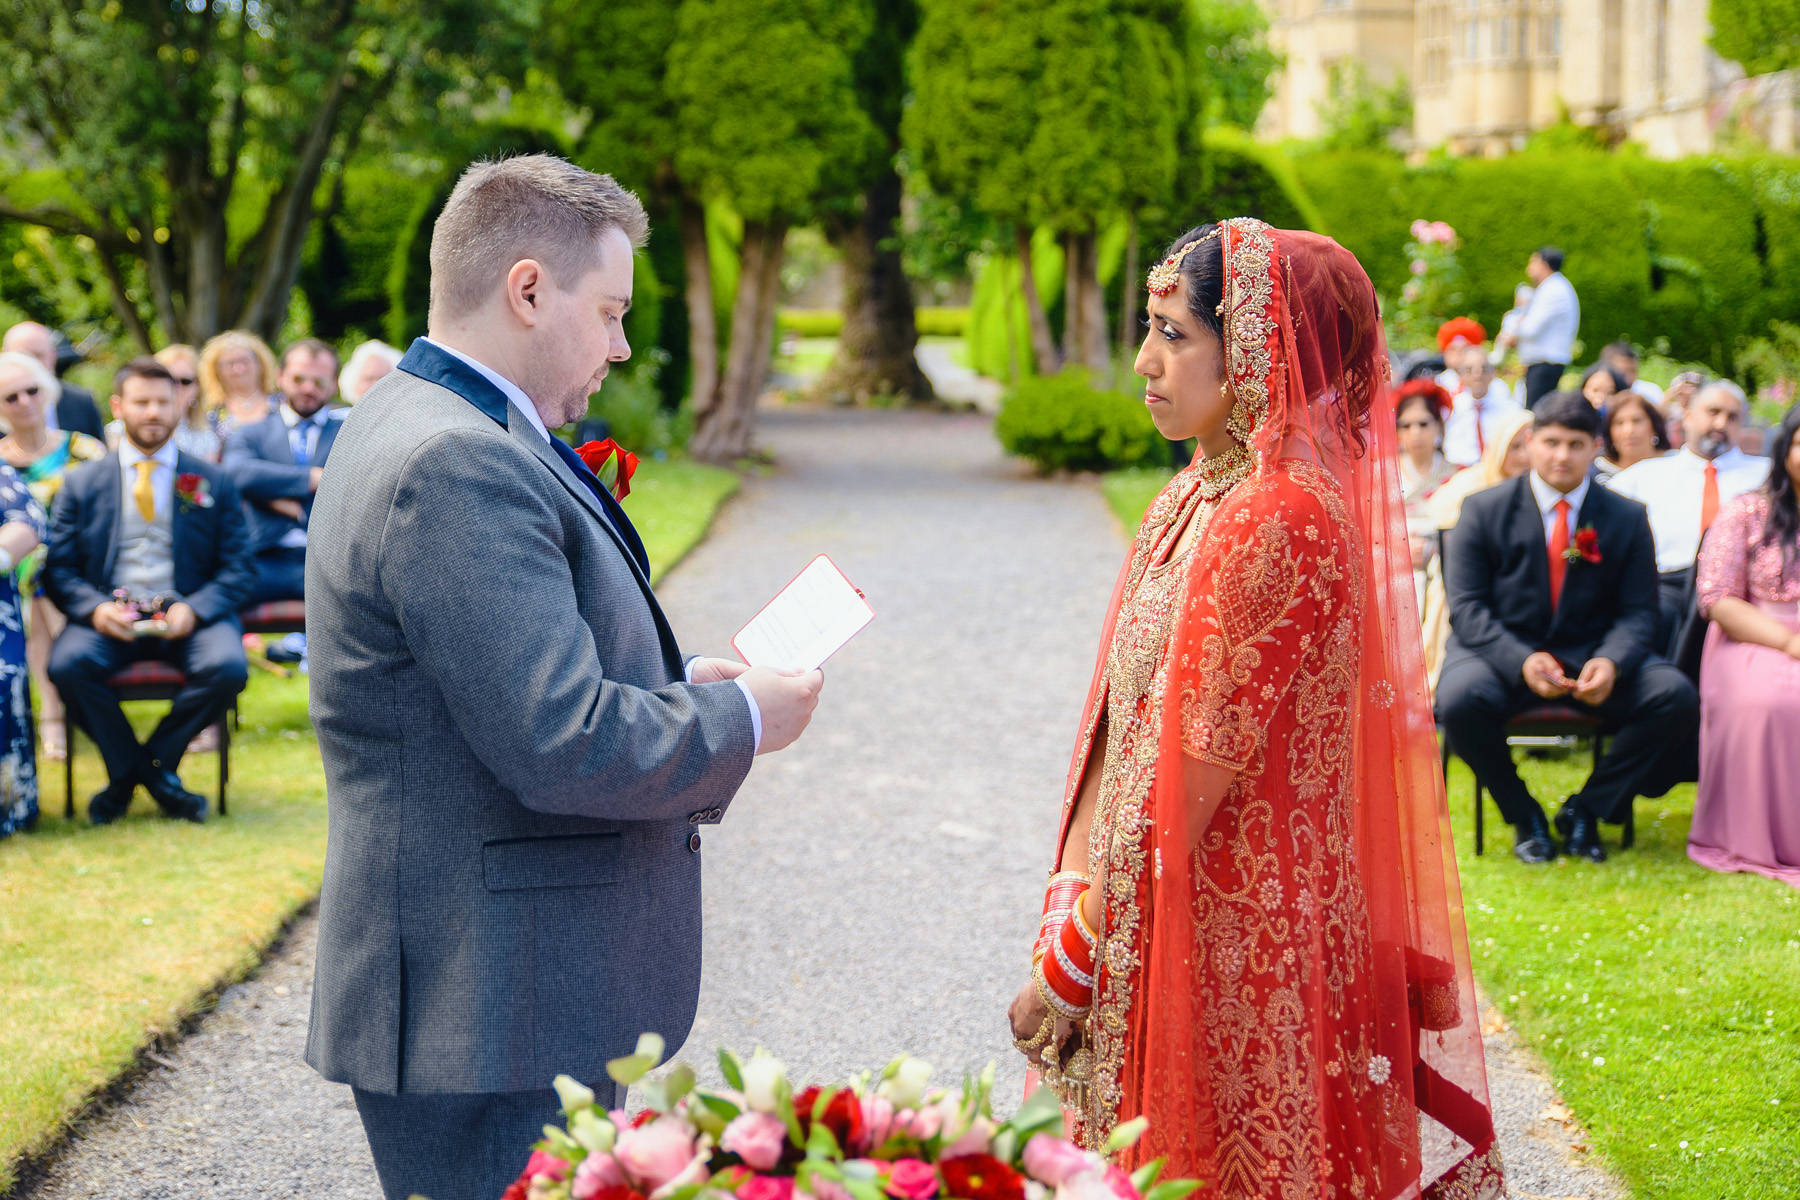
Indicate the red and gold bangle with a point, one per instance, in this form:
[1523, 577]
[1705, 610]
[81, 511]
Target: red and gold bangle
[1068, 970]
[1064, 890]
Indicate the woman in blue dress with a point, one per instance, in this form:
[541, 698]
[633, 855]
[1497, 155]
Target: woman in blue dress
[21, 530]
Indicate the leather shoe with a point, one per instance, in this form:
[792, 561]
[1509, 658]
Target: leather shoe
[110, 803]
[1533, 844]
[1584, 840]
[1564, 821]
[165, 788]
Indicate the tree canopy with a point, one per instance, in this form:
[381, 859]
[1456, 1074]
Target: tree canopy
[1763, 35]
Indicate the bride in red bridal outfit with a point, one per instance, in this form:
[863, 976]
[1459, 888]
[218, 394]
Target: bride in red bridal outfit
[1253, 932]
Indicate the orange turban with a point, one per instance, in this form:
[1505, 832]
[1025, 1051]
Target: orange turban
[1466, 328]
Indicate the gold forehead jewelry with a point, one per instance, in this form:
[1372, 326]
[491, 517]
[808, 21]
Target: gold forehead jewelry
[1165, 275]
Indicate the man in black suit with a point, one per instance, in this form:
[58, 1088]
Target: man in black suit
[152, 522]
[75, 410]
[1552, 589]
[277, 463]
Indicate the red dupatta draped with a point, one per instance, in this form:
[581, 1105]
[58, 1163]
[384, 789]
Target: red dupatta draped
[1290, 1005]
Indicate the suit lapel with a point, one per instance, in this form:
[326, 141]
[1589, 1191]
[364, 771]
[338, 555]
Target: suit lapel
[1528, 531]
[552, 454]
[327, 435]
[108, 503]
[183, 524]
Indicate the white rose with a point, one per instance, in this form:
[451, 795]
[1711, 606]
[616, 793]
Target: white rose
[763, 1076]
[907, 1087]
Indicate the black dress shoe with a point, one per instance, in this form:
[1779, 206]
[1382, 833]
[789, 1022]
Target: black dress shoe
[1532, 843]
[1584, 840]
[165, 788]
[110, 803]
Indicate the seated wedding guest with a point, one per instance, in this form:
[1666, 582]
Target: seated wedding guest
[1459, 340]
[1600, 383]
[368, 363]
[1631, 430]
[21, 528]
[1507, 457]
[1552, 597]
[1685, 491]
[166, 530]
[237, 379]
[193, 433]
[1622, 357]
[276, 466]
[1418, 411]
[74, 407]
[1480, 403]
[41, 456]
[1747, 811]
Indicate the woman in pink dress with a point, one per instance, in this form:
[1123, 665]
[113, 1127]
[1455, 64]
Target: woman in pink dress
[1747, 816]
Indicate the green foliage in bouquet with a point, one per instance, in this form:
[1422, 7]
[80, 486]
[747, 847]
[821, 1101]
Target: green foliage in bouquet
[883, 1136]
[1062, 422]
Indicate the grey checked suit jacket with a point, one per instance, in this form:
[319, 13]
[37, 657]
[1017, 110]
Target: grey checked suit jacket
[513, 763]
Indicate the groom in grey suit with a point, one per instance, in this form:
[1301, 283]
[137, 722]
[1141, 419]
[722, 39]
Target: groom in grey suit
[518, 757]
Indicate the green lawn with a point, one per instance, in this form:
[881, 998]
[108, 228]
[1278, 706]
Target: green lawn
[1665, 998]
[110, 938]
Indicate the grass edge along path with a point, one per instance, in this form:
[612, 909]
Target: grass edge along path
[1664, 998]
[114, 941]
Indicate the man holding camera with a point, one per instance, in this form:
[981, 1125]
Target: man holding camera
[149, 558]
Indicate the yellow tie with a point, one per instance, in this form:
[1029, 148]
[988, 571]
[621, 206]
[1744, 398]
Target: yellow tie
[146, 499]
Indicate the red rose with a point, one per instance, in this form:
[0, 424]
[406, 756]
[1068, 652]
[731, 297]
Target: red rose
[1587, 544]
[981, 1177]
[611, 464]
[187, 482]
[644, 1118]
[843, 1115]
[618, 1191]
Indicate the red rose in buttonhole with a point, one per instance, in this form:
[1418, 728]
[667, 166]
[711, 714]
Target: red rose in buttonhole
[1587, 544]
[611, 464]
[981, 1177]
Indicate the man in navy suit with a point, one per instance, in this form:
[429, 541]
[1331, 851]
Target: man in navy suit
[276, 465]
[152, 522]
[1552, 589]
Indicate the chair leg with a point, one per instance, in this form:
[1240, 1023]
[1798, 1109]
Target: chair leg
[1480, 817]
[224, 759]
[68, 765]
[1628, 838]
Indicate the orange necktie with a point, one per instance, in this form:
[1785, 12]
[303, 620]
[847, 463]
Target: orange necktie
[1709, 497]
[1559, 543]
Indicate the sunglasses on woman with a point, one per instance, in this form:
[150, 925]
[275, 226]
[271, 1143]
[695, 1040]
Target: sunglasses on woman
[13, 397]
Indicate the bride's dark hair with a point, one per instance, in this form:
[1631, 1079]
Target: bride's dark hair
[1203, 270]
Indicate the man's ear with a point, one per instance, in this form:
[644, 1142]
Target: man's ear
[114, 405]
[525, 284]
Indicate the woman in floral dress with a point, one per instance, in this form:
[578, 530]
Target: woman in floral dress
[21, 530]
[1252, 936]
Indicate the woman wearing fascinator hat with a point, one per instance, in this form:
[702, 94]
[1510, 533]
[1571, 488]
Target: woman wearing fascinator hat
[1252, 932]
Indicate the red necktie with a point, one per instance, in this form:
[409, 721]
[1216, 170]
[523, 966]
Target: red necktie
[1559, 544]
[1709, 497]
[1480, 433]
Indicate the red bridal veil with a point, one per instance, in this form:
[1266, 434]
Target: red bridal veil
[1307, 364]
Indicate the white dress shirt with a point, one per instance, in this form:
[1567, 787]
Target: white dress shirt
[303, 440]
[1649, 391]
[1672, 488]
[1551, 321]
[1547, 496]
[523, 403]
[1462, 446]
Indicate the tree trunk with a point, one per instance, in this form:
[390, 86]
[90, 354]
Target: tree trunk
[1043, 346]
[877, 350]
[703, 329]
[722, 435]
[1128, 300]
[1084, 307]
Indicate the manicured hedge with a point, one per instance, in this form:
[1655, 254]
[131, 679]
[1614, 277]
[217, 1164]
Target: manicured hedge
[1702, 251]
[1062, 423]
[810, 322]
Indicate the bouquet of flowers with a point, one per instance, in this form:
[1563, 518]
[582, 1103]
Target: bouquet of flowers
[878, 1137]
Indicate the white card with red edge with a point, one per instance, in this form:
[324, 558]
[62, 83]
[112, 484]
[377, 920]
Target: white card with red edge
[808, 622]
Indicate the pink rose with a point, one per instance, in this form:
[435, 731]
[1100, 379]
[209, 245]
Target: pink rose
[655, 1153]
[697, 1171]
[755, 1137]
[878, 1124]
[1090, 1184]
[544, 1163]
[1419, 227]
[825, 1189]
[912, 1180]
[597, 1171]
[1442, 232]
[1052, 1160]
[920, 1123]
[976, 1139]
[766, 1187]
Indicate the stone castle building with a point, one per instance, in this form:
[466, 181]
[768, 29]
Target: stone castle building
[1485, 73]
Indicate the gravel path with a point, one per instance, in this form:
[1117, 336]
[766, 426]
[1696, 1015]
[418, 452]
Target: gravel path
[872, 889]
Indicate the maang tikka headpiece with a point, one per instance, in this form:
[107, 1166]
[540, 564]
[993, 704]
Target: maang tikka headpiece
[1165, 276]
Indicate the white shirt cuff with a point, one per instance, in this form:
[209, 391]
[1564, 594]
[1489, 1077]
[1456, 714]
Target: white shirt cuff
[749, 699]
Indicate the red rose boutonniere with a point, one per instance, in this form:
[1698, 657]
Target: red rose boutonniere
[191, 489]
[1586, 547]
[611, 464]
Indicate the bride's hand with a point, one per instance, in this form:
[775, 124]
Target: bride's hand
[1027, 1015]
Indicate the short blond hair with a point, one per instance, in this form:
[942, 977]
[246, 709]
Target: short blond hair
[532, 206]
[212, 389]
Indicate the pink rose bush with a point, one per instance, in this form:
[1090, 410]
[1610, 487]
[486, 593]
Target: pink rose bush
[1433, 291]
[886, 1136]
